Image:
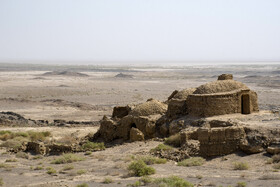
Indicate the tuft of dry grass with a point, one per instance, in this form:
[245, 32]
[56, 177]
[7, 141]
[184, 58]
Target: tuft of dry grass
[93, 146]
[11, 160]
[149, 160]
[22, 155]
[174, 140]
[161, 147]
[67, 158]
[51, 171]
[81, 172]
[193, 161]
[107, 180]
[240, 166]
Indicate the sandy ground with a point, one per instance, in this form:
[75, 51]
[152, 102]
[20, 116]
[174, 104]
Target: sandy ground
[35, 96]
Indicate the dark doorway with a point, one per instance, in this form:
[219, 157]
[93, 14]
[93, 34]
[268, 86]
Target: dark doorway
[245, 104]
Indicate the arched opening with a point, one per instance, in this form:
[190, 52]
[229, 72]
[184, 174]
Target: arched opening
[133, 125]
[245, 104]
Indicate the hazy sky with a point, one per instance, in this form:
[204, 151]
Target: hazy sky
[139, 30]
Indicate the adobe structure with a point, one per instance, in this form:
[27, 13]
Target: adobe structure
[224, 96]
[184, 112]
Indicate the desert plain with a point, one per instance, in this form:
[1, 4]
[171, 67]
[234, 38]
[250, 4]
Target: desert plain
[87, 93]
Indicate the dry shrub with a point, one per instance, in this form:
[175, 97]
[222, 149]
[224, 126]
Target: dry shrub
[194, 161]
[107, 180]
[174, 140]
[240, 166]
[93, 146]
[161, 147]
[22, 155]
[67, 158]
[139, 168]
[149, 160]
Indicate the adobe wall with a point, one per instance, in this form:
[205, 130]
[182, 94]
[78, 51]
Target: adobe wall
[205, 105]
[220, 141]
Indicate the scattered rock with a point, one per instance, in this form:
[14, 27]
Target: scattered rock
[136, 135]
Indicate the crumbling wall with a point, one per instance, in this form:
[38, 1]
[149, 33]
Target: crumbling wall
[205, 105]
[220, 141]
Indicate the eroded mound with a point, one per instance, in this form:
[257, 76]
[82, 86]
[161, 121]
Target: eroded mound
[151, 107]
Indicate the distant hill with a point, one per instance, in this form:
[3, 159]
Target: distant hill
[122, 75]
[65, 73]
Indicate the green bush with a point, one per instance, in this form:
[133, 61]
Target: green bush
[68, 167]
[174, 140]
[194, 161]
[82, 185]
[241, 184]
[240, 166]
[149, 160]
[11, 160]
[81, 171]
[93, 146]
[139, 168]
[161, 147]
[35, 136]
[12, 143]
[67, 158]
[172, 181]
[51, 171]
[108, 180]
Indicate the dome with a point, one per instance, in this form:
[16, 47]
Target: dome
[220, 86]
[183, 94]
[151, 107]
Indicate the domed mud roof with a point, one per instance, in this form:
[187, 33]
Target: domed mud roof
[220, 87]
[151, 107]
[183, 94]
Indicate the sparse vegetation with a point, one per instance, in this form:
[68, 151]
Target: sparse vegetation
[82, 185]
[6, 166]
[240, 166]
[161, 147]
[11, 160]
[37, 157]
[139, 168]
[68, 167]
[81, 172]
[276, 166]
[174, 140]
[194, 161]
[93, 146]
[38, 168]
[276, 158]
[88, 153]
[22, 155]
[30, 135]
[107, 180]
[172, 181]
[67, 158]
[241, 184]
[136, 184]
[1, 182]
[51, 171]
[149, 160]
